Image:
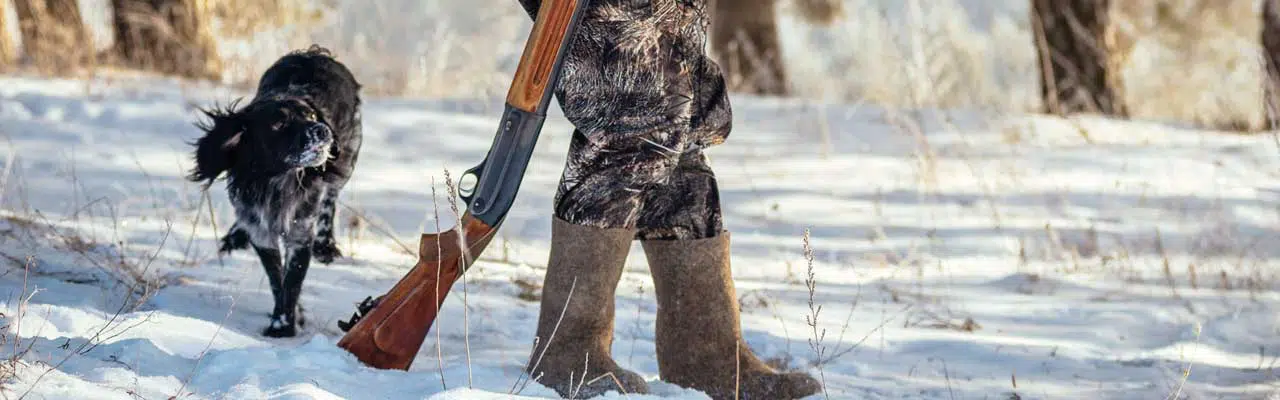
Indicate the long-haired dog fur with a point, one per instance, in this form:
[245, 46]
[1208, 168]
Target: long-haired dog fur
[287, 155]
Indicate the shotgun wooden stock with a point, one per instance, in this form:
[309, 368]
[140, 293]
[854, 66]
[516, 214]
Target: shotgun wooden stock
[389, 335]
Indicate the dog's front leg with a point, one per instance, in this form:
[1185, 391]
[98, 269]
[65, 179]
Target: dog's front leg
[325, 247]
[297, 261]
[271, 263]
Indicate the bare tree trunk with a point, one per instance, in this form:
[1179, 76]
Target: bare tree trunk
[1069, 37]
[166, 36]
[53, 34]
[1271, 58]
[8, 52]
[744, 40]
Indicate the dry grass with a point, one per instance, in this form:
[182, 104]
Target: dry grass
[41, 238]
[1186, 60]
[33, 235]
[10, 366]
[929, 54]
[240, 19]
[917, 54]
[821, 12]
[1201, 55]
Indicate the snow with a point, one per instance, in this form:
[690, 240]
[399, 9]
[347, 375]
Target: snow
[956, 255]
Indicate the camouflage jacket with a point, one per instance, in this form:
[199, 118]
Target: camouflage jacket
[639, 69]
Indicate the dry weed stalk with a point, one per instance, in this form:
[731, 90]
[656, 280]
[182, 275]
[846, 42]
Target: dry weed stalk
[105, 333]
[466, 259]
[1165, 265]
[815, 341]
[1186, 372]
[360, 220]
[946, 373]
[435, 207]
[9, 369]
[912, 124]
[532, 375]
[203, 352]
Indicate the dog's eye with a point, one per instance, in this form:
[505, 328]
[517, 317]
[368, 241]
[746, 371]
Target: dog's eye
[311, 115]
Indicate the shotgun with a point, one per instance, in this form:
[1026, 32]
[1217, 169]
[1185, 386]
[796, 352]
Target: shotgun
[388, 332]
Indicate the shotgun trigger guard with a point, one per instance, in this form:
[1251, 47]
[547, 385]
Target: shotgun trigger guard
[467, 193]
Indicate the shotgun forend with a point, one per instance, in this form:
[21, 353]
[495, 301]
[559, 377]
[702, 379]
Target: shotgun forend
[499, 175]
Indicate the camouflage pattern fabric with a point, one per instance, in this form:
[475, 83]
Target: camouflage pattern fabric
[645, 99]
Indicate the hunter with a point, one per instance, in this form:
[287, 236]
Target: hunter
[645, 100]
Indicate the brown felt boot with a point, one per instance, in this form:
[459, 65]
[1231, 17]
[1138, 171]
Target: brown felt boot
[585, 332]
[698, 332]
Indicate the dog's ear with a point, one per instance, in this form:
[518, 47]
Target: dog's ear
[216, 150]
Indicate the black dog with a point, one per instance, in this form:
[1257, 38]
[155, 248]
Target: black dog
[287, 155]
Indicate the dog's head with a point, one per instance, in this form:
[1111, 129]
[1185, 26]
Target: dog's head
[274, 135]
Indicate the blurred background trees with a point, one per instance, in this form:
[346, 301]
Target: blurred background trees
[744, 39]
[166, 36]
[1069, 36]
[1270, 38]
[8, 51]
[745, 42]
[169, 37]
[1213, 63]
[53, 34]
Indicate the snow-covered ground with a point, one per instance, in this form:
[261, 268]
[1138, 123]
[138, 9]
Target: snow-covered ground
[956, 255]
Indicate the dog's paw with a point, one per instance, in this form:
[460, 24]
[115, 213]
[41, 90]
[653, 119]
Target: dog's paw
[235, 240]
[325, 251]
[280, 329]
[283, 331]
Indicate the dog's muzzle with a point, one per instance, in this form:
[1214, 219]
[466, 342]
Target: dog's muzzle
[319, 134]
[315, 146]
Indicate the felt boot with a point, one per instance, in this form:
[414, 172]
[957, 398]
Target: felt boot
[698, 337]
[584, 334]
